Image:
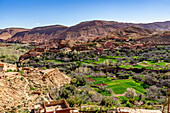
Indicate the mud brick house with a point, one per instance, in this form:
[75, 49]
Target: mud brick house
[36, 52]
[108, 45]
[79, 48]
[54, 50]
[58, 106]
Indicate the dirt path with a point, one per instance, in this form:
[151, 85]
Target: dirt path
[117, 95]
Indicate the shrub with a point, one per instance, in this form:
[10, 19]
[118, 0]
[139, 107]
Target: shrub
[31, 88]
[22, 78]
[71, 102]
[65, 93]
[108, 101]
[130, 93]
[109, 90]
[128, 104]
[44, 68]
[9, 70]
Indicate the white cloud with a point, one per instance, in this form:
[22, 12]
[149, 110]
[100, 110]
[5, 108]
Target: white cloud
[37, 24]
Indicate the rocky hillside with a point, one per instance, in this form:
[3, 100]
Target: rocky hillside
[133, 33]
[160, 39]
[91, 29]
[9, 32]
[38, 34]
[83, 31]
[30, 88]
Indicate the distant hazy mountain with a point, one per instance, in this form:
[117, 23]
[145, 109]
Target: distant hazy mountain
[82, 31]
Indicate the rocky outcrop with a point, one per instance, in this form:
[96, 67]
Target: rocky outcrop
[30, 88]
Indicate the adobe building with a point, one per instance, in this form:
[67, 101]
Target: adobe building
[58, 106]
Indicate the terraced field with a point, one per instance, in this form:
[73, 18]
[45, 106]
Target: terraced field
[145, 64]
[120, 86]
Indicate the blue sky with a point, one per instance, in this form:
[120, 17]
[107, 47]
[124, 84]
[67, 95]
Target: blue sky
[32, 13]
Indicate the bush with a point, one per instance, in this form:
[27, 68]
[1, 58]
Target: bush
[108, 101]
[65, 93]
[44, 68]
[128, 104]
[9, 70]
[22, 78]
[130, 93]
[71, 102]
[109, 90]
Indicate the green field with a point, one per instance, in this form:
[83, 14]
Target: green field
[120, 86]
[154, 65]
[113, 57]
[125, 66]
[55, 61]
[101, 60]
[147, 65]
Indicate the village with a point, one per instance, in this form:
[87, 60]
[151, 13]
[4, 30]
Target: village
[85, 56]
[33, 98]
[35, 95]
[94, 76]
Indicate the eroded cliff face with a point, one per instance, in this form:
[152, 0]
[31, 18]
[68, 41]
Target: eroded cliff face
[30, 88]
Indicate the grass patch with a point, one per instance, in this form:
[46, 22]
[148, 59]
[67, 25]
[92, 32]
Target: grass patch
[125, 66]
[120, 86]
[109, 56]
[138, 66]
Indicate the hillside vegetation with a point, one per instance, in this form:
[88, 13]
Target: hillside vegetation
[109, 77]
[12, 53]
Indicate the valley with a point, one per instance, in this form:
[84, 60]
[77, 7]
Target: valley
[111, 66]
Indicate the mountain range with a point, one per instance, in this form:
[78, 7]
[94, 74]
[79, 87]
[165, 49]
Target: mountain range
[82, 31]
